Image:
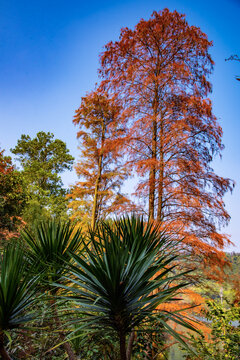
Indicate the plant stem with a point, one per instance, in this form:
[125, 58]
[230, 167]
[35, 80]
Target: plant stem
[122, 339]
[130, 345]
[3, 352]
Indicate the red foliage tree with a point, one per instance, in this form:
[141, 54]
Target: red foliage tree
[161, 69]
[101, 123]
[13, 198]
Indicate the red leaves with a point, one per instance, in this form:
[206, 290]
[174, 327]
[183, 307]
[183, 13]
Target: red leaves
[5, 163]
[160, 70]
[101, 120]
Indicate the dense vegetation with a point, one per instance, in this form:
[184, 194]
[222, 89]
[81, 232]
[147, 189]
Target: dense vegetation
[81, 278]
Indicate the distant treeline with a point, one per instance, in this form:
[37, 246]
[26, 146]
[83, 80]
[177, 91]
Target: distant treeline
[234, 258]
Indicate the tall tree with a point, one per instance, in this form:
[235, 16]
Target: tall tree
[161, 70]
[43, 159]
[100, 170]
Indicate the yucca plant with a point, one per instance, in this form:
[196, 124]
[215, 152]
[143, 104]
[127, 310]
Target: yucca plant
[124, 274]
[50, 248]
[18, 292]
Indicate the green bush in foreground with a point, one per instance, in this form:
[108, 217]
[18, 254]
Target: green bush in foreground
[224, 342]
[18, 292]
[118, 281]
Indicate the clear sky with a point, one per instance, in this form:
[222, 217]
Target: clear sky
[49, 53]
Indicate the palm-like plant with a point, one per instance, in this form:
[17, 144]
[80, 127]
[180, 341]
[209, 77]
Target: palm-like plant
[116, 279]
[50, 248]
[18, 291]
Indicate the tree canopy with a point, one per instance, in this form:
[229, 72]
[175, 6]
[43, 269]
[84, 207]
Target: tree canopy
[101, 133]
[13, 196]
[160, 70]
[43, 159]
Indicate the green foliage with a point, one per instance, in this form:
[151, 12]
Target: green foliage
[43, 159]
[17, 288]
[111, 286]
[149, 344]
[35, 340]
[50, 246]
[234, 259]
[210, 289]
[96, 346]
[228, 290]
[34, 213]
[125, 272]
[18, 293]
[224, 342]
[49, 250]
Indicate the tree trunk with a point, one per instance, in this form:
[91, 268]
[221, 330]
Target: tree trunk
[160, 179]
[130, 345]
[98, 180]
[152, 174]
[3, 352]
[122, 339]
[95, 200]
[67, 348]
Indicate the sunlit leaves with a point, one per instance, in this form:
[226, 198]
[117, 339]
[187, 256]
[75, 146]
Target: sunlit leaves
[161, 70]
[101, 133]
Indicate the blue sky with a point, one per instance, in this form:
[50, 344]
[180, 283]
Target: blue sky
[49, 58]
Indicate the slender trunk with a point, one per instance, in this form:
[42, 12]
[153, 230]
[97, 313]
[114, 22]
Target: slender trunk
[160, 179]
[98, 180]
[122, 339]
[3, 352]
[95, 199]
[152, 174]
[130, 345]
[67, 347]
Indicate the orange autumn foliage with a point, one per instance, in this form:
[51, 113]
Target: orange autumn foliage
[191, 307]
[160, 70]
[101, 133]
